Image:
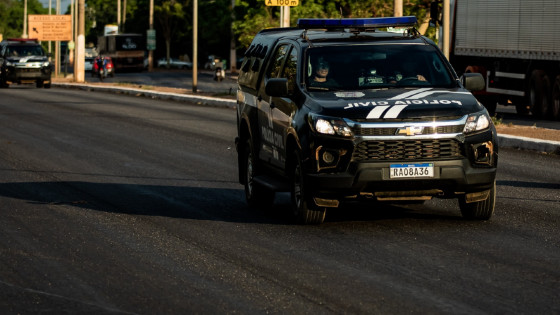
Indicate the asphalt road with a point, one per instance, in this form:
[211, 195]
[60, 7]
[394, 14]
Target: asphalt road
[120, 204]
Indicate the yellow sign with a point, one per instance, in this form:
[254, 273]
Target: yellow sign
[50, 27]
[277, 3]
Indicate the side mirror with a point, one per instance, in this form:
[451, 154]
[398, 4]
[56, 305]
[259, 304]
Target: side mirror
[473, 81]
[277, 87]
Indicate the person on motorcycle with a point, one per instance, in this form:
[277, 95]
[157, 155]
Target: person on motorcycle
[101, 66]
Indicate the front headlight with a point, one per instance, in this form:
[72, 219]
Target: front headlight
[9, 64]
[476, 122]
[332, 126]
[45, 64]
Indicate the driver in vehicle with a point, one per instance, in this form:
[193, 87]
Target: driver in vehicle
[321, 77]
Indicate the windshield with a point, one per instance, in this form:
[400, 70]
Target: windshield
[24, 50]
[359, 67]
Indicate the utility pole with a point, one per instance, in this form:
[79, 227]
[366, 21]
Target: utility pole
[24, 35]
[81, 45]
[118, 16]
[446, 28]
[195, 47]
[398, 8]
[232, 53]
[151, 52]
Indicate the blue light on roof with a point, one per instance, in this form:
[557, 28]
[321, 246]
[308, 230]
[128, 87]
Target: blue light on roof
[403, 21]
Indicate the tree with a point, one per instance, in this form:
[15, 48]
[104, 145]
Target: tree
[11, 16]
[253, 15]
[169, 14]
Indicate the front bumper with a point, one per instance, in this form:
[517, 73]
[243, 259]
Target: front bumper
[372, 178]
[461, 165]
[20, 74]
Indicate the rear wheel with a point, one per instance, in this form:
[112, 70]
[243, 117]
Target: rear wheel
[480, 210]
[305, 210]
[256, 195]
[555, 109]
[39, 83]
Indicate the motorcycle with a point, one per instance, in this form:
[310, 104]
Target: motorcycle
[219, 74]
[102, 69]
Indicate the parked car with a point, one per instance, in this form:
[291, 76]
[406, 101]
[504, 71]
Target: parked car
[89, 57]
[88, 64]
[174, 63]
[109, 65]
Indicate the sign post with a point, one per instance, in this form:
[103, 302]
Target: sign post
[50, 27]
[278, 3]
[284, 11]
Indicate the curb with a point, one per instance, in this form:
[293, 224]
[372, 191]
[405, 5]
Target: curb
[525, 143]
[504, 140]
[198, 99]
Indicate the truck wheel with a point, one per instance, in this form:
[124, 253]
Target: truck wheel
[47, 85]
[305, 210]
[39, 84]
[555, 109]
[256, 195]
[480, 210]
[539, 88]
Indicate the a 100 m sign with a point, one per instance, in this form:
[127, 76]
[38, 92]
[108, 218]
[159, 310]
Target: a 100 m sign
[291, 3]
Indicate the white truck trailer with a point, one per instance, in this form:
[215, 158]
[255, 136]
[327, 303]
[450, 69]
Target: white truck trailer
[515, 45]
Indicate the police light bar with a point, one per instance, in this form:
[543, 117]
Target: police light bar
[404, 21]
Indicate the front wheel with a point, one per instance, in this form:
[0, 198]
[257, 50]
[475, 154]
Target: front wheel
[305, 210]
[479, 210]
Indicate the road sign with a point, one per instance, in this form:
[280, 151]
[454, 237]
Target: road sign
[151, 39]
[278, 3]
[50, 27]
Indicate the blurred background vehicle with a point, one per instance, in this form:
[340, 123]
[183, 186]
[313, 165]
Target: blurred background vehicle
[174, 63]
[89, 57]
[109, 65]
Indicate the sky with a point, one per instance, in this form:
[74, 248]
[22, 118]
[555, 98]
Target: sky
[63, 4]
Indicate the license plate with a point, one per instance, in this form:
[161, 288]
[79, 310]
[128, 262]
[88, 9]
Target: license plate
[417, 170]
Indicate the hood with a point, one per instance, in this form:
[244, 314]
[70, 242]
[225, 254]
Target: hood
[409, 103]
[27, 59]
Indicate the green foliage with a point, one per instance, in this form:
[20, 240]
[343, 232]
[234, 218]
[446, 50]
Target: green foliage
[217, 20]
[253, 16]
[11, 16]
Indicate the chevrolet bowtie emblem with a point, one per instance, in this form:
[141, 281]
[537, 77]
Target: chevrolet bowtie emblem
[410, 130]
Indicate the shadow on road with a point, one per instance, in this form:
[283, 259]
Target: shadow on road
[200, 203]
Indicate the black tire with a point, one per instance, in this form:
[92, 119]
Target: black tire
[539, 88]
[480, 210]
[555, 100]
[39, 84]
[256, 195]
[305, 210]
[47, 85]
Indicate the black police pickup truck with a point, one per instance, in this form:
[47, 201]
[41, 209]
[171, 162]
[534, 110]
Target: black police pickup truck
[338, 110]
[24, 61]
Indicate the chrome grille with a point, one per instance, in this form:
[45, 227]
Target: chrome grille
[359, 131]
[428, 149]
